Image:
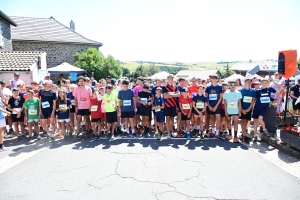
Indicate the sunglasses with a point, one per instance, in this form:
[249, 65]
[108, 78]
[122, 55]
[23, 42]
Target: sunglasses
[232, 84]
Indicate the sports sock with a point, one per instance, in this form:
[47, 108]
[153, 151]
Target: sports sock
[235, 133]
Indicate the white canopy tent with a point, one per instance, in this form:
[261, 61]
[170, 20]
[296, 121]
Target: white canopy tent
[234, 77]
[160, 75]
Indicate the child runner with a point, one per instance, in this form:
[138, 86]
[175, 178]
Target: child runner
[110, 101]
[2, 124]
[103, 111]
[31, 107]
[63, 112]
[145, 100]
[158, 106]
[185, 104]
[72, 110]
[233, 107]
[199, 105]
[96, 114]
[15, 104]
[261, 105]
[223, 128]
[248, 99]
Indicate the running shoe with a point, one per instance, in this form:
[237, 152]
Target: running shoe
[20, 137]
[179, 134]
[201, 137]
[157, 135]
[256, 138]
[7, 136]
[246, 139]
[188, 136]
[184, 135]
[268, 134]
[52, 139]
[98, 138]
[236, 140]
[229, 137]
[93, 137]
[3, 148]
[11, 131]
[169, 136]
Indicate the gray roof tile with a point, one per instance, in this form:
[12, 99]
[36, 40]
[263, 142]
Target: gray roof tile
[46, 30]
[18, 60]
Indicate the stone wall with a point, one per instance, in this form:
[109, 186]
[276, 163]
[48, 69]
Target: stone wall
[5, 35]
[56, 53]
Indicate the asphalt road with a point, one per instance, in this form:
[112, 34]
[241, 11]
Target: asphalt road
[142, 169]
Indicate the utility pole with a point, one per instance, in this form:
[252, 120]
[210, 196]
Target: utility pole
[227, 70]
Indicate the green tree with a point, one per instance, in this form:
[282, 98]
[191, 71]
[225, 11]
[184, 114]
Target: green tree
[125, 72]
[224, 73]
[298, 63]
[94, 61]
[140, 71]
[152, 69]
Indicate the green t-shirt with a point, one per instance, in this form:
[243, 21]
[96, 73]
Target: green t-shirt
[32, 106]
[111, 105]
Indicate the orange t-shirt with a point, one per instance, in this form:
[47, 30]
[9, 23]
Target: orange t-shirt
[25, 96]
[193, 90]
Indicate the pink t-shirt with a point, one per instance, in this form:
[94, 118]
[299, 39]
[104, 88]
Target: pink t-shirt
[136, 91]
[83, 97]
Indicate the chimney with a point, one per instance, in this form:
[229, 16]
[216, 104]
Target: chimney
[72, 25]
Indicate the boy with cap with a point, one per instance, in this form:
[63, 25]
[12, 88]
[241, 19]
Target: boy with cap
[248, 100]
[263, 96]
[185, 105]
[158, 107]
[232, 101]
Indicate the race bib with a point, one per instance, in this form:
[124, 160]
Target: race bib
[170, 93]
[186, 106]
[232, 105]
[264, 94]
[247, 99]
[194, 94]
[264, 99]
[18, 109]
[72, 102]
[94, 108]
[144, 100]
[213, 97]
[32, 112]
[126, 102]
[45, 104]
[157, 109]
[200, 104]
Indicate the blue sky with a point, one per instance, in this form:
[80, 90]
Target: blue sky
[173, 30]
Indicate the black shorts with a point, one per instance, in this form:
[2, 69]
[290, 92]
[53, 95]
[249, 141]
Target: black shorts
[96, 120]
[296, 107]
[127, 114]
[72, 110]
[145, 111]
[46, 113]
[83, 112]
[248, 116]
[185, 117]
[218, 111]
[15, 119]
[222, 113]
[111, 117]
[232, 115]
[170, 112]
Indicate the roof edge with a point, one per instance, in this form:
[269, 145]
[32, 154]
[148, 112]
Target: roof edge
[8, 19]
[58, 42]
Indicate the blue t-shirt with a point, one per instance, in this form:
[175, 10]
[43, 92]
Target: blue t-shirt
[1, 106]
[71, 98]
[63, 114]
[247, 96]
[232, 101]
[213, 94]
[159, 101]
[126, 98]
[296, 90]
[263, 97]
[200, 101]
[47, 96]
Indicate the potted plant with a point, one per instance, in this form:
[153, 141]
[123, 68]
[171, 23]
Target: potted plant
[291, 136]
[289, 119]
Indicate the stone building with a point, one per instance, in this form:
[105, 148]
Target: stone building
[48, 35]
[5, 32]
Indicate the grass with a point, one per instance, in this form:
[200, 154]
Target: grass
[132, 65]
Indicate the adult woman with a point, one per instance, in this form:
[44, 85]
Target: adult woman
[239, 84]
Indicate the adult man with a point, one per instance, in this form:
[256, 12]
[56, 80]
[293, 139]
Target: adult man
[199, 81]
[127, 106]
[248, 100]
[47, 109]
[295, 93]
[278, 84]
[215, 96]
[13, 83]
[82, 96]
[232, 101]
[171, 109]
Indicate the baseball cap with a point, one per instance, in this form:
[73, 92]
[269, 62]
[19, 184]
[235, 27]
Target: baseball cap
[108, 77]
[17, 74]
[185, 89]
[158, 88]
[46, 83]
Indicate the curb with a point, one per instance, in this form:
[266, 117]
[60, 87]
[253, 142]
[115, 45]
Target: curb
[275, 142]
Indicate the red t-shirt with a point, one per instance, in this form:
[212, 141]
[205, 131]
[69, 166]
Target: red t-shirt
[186, 104]
[222, 102]
[193, 90]
[95, 109]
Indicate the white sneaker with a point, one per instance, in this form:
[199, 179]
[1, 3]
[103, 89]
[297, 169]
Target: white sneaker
[7, 136]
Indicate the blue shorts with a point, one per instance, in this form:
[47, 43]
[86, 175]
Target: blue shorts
[222, 113]
[46, 113]
[138, 111]
[259, 111]
[160, 117]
